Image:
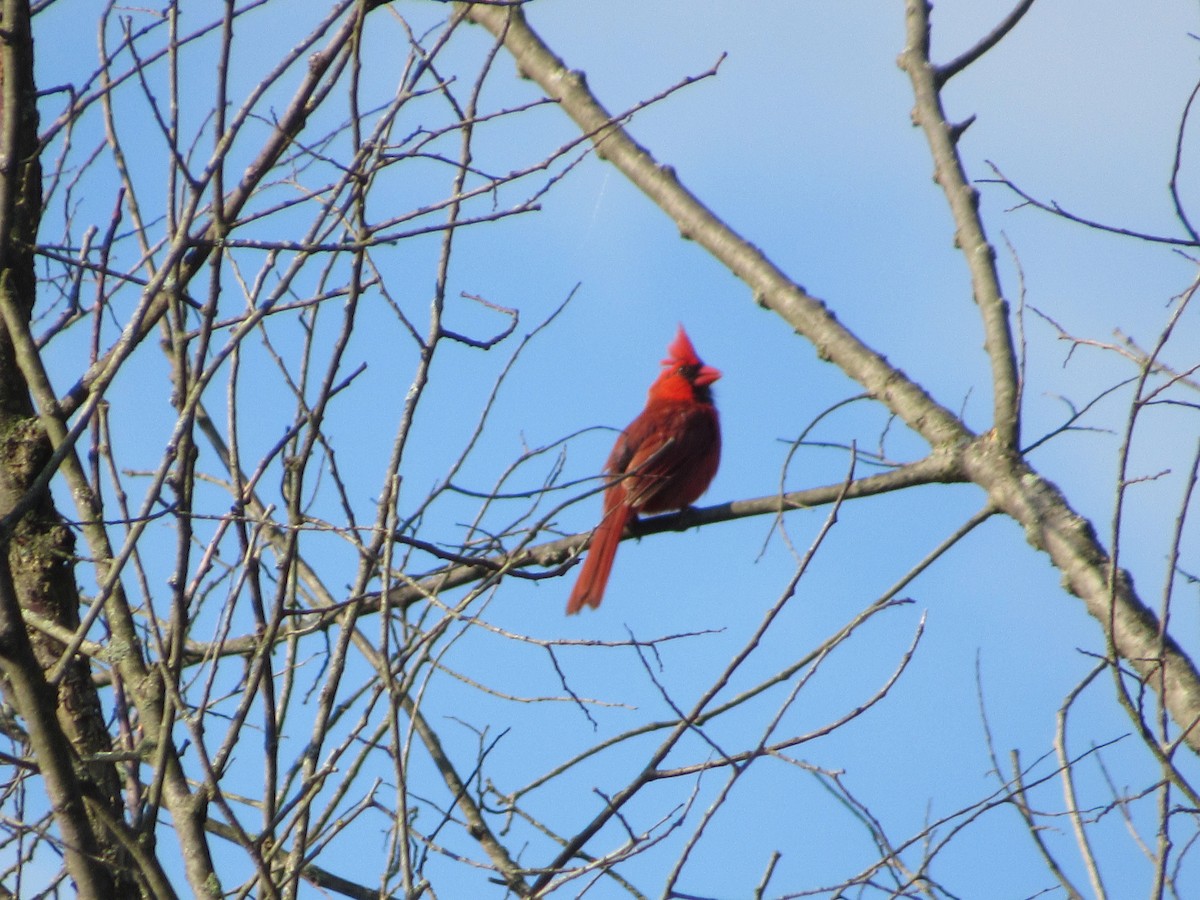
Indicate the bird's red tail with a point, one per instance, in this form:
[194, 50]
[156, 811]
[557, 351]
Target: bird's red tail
[593, 576]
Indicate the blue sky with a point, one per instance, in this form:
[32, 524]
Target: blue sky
[803, 143]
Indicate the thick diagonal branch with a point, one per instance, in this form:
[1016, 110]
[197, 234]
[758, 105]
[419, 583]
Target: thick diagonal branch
[989, 461]
[771, 287]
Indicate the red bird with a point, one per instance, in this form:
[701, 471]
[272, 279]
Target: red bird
[663, 461]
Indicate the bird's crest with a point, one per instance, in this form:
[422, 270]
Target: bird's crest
[681, 352]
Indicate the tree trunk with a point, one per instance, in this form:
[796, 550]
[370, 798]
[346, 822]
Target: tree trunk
[64, 720]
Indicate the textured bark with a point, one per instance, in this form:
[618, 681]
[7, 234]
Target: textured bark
[65, 721]
[1051, 525]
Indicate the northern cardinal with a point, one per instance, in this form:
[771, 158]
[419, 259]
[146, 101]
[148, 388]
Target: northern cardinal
[664, 460]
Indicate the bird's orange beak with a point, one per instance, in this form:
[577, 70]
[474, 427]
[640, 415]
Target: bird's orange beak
[706, 375]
